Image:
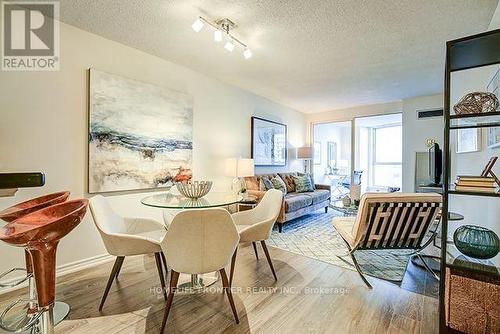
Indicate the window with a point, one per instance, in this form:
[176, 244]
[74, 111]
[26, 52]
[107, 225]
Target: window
[387, 157]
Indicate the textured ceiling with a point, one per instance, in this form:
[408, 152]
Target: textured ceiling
[311, 55]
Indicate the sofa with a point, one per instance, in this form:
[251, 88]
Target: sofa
[294, 204]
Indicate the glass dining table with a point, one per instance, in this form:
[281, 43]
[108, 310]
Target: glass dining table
[175, 202]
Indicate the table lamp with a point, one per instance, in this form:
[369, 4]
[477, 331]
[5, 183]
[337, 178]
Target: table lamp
[305, 153]
[238, 168]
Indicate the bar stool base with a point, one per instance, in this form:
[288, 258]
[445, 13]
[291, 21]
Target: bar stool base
[60, 311]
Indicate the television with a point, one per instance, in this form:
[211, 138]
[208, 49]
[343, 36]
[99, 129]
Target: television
[435, 164]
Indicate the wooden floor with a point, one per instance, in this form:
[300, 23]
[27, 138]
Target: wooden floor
[294, 304]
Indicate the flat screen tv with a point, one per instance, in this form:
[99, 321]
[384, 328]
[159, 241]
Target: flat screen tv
[435, 164]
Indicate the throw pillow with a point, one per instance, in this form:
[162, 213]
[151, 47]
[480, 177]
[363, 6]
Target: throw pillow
[310, 177]
[279, 184]
[303, 184]
[289, 182]
[267, 183]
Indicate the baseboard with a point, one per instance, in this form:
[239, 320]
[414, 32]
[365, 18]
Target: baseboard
[64, 269]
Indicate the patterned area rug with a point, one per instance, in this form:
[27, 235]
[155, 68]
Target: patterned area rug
[314, 236]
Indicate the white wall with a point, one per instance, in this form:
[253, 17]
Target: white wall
[417, 131]
[495, 20]
[43, 127]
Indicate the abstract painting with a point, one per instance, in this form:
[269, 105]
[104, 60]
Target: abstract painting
[269, 147]
[140, 135]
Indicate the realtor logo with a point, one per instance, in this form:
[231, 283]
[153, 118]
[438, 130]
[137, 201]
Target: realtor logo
[30, 36]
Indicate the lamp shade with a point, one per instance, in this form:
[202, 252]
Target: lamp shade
[239, 167]
[305, 153]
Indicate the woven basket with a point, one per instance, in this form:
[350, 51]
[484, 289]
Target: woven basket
[476, 103]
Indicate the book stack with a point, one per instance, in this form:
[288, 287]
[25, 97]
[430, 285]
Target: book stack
[475, 183]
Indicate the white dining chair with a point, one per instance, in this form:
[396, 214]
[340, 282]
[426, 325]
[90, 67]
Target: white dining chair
[127, 237]
[199, 242]
[256, 225]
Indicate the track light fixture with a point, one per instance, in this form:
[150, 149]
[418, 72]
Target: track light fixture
[222, 27]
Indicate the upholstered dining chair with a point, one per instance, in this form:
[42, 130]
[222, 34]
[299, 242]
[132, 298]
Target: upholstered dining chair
[199, 242]
[390, 221]
[256, 225]
[127, 237]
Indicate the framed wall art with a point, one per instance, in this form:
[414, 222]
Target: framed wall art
[269, 142]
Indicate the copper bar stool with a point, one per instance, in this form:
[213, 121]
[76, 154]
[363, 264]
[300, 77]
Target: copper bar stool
[17, 211]
[39, 233]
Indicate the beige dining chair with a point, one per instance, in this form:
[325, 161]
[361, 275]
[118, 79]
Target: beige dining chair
[127, 237]
[256, 225]
[199, 241]
[390, 221]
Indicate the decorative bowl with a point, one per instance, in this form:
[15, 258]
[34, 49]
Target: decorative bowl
[194, 189]
[476, 241]
[476, 103]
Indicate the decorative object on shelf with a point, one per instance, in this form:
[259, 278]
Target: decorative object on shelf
[486, 182]
[269, 142]
[488, 170]
[134, 142]
[222, 28]
[475, 183]
[429, 142]
[476, 241]
[476, 103]
[305, 153]
[317, 153]
[468, 140]
[194, 189]
[238, 168]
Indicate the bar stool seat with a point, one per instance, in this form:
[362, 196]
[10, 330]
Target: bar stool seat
[21, 209]
[39, 232]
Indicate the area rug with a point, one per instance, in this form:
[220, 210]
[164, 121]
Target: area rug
[314, 236]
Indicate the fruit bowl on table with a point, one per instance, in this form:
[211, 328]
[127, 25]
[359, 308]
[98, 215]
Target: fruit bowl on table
[194, 189]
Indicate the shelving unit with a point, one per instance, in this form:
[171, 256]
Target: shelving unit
[464, 54]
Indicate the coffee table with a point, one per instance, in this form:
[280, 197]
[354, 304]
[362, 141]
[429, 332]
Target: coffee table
[351, 210]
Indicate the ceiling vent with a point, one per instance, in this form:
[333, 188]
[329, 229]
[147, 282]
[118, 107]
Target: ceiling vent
[430, 113]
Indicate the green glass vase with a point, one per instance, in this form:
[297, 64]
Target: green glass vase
[476, 241]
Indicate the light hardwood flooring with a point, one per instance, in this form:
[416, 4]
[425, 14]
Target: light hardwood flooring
[346, 306]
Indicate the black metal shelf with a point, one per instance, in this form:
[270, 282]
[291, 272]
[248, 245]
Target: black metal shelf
[461, 54]
[475, 121]
[481, 115]
[474, 267]
[474, 51]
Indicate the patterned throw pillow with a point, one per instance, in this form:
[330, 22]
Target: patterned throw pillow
[279, 184]
[303, 184]
[267, 183]
[311, 177]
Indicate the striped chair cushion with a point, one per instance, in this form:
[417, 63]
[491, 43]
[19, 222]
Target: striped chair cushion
[398, 224]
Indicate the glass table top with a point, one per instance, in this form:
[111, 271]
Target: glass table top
[169, 200]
